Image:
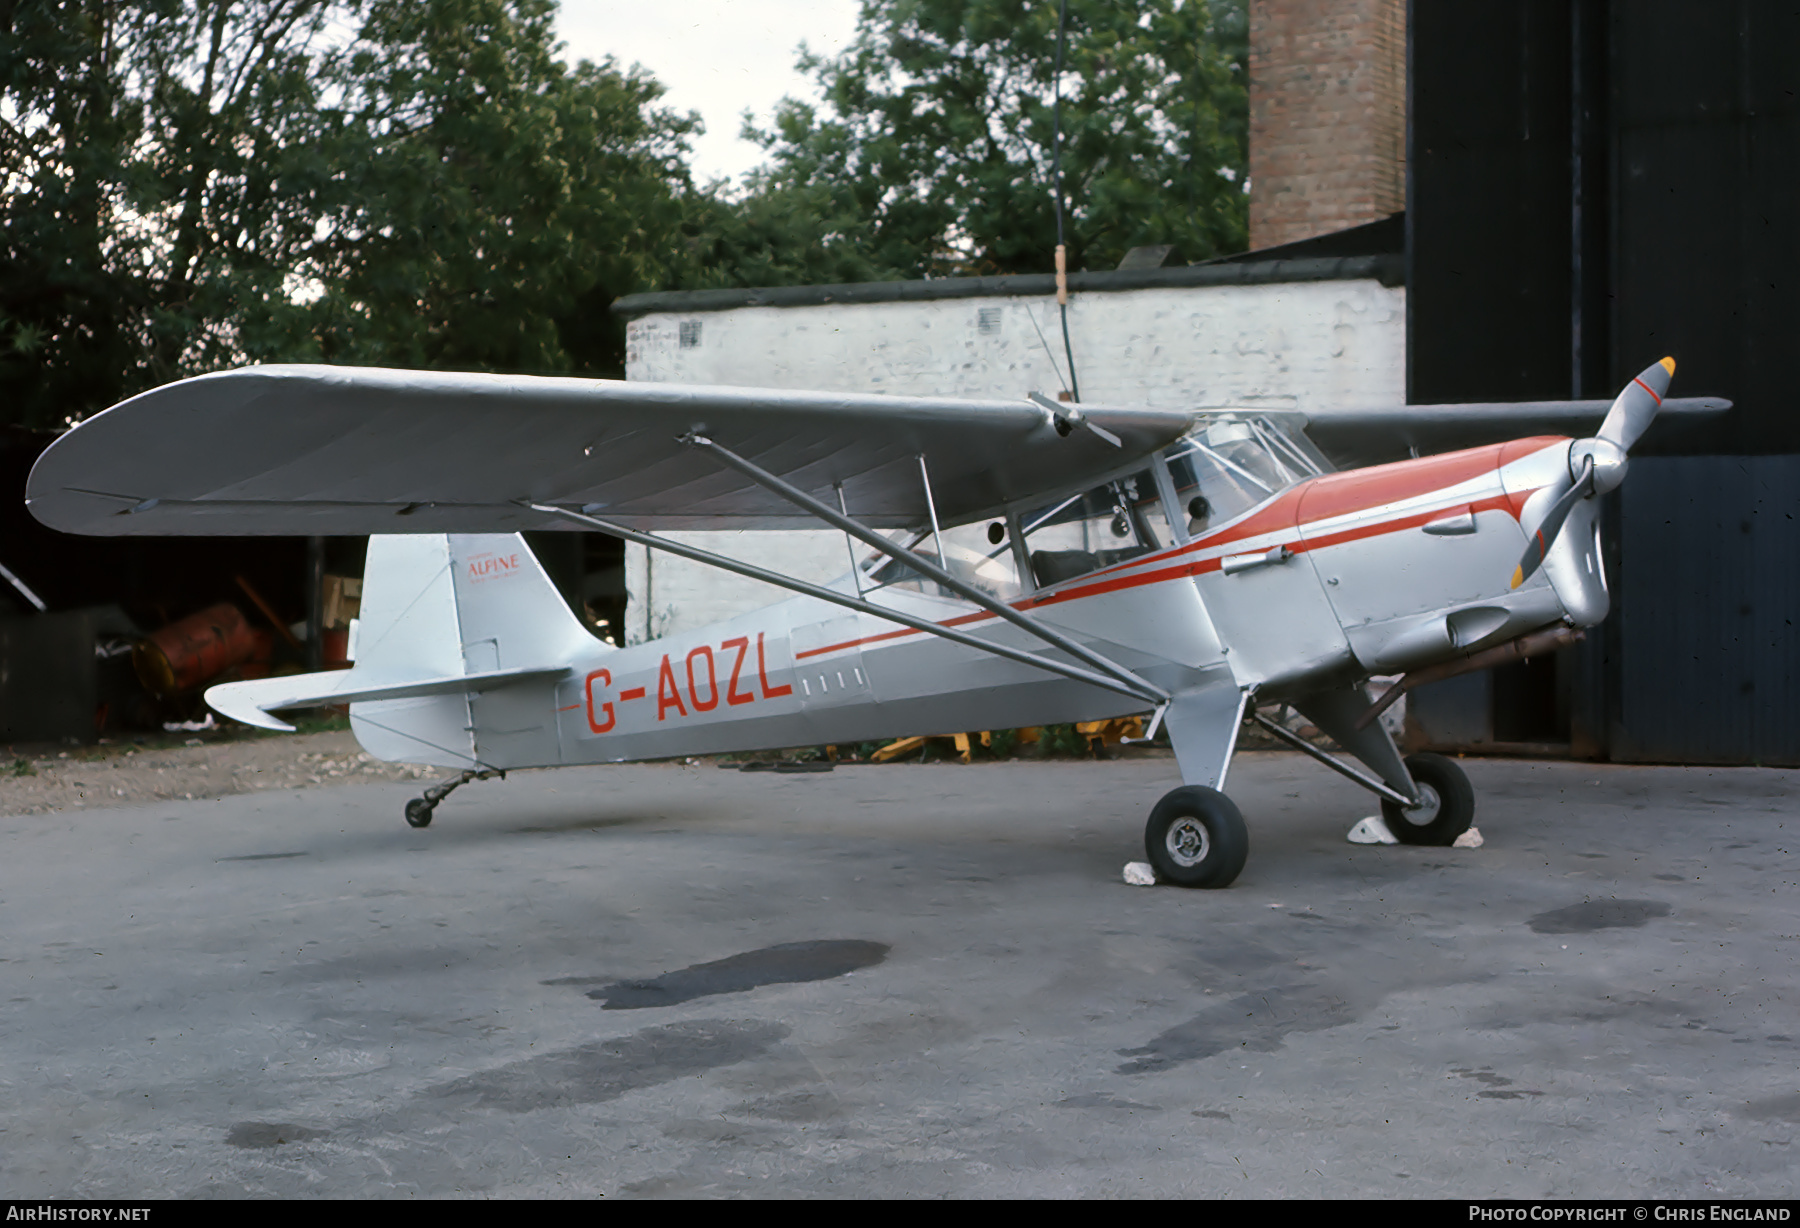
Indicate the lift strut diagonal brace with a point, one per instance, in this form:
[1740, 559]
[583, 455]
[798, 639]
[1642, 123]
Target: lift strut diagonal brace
[1334, 763]
[836, 598]
[1133, 685]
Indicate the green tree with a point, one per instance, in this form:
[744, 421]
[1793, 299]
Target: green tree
[778, 234]
[489, 201]
[192, 184]
[70, 308]
[932, 152]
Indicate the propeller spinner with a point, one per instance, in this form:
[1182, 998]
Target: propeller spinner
[1598, 464]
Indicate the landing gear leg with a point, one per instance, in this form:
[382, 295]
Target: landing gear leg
[1196, 836]
[418, 811]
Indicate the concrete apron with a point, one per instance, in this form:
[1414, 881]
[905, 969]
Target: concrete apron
[892, 981]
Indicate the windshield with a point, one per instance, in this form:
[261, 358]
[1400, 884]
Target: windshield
[1231, 462]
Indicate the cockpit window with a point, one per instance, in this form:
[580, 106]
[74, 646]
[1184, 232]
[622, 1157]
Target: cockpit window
[976, 554]
[1230, 463]
[1096, 528]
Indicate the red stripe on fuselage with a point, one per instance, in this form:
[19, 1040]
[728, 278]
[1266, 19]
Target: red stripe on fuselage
[1493, 503]
[958, 621]
[1322, 498]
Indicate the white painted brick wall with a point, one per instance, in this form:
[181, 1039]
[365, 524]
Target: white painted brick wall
[1311, 346]
[667, 594]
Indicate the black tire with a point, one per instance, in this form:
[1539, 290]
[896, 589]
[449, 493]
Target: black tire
[418, 812]
[1196, 838]
[1449, 803]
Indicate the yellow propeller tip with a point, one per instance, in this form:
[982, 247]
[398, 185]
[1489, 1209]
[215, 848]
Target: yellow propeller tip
[1668, 364]
[1518, 576]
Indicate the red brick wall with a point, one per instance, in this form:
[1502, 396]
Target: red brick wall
[1327, 116]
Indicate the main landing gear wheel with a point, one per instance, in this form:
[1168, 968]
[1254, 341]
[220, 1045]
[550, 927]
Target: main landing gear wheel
[1196, 838]
[1447, 803]
[418, 812]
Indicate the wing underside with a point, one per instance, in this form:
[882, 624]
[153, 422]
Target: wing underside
[334, 450]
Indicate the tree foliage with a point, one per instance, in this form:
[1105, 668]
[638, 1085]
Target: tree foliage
[483, 194]
[932, 153]
[187, 185]
[192, 184]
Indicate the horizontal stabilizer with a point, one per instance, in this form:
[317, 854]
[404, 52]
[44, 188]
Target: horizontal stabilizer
[251, 702]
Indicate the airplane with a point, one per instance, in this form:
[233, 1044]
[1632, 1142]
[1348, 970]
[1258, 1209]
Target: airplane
[1026, 563]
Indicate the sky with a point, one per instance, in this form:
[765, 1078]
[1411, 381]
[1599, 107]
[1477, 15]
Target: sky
[717, 57]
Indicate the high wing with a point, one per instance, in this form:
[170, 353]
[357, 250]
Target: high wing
[297, 450]
[1354, 438]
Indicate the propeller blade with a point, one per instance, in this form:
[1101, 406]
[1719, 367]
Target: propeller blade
[1634, 408]
[1545, 537]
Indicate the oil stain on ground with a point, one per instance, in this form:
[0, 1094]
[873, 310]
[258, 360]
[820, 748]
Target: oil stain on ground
[1499, 1087]
[789, 963]
[1590, 915]
[1106, 1100]
[259, 1134]
[1776, 1108]
[801, 1106]
[1255, 1021]
[607, 1069]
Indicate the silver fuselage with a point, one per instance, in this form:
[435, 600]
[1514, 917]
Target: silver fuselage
[1328, 581]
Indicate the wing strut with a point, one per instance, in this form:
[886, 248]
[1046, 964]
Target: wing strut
[1133, 684]
[836, 598]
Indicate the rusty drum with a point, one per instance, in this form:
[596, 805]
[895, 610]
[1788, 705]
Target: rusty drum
[200, 647]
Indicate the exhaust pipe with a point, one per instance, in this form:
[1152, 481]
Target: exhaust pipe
[1526, 646]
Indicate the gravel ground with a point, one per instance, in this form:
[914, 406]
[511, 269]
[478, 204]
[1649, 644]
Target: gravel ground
[40, 780]
[122, 774]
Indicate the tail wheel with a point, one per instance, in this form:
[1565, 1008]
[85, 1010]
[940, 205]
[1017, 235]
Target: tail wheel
[418, 812]
[1196, 838]
[1446, 803]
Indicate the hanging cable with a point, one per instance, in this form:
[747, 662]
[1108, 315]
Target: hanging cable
[1062, 251]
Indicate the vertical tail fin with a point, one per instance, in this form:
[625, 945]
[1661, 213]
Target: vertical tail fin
[438, 610]
[462, 603]
[512, 616]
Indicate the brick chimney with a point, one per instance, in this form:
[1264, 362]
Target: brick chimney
[1327, 116]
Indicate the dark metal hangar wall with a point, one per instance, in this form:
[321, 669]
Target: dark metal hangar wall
[1593, 185]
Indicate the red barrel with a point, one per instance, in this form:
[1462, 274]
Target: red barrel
[200, 647]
